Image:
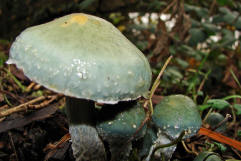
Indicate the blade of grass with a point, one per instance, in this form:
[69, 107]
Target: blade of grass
[235, 78]
[22, 87]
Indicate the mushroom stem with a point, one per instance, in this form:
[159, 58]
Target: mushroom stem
[86, 143]
[80, 111]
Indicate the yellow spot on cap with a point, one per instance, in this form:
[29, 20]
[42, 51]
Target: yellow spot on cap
[79, 19]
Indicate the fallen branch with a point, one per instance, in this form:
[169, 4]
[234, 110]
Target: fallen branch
[220, 138]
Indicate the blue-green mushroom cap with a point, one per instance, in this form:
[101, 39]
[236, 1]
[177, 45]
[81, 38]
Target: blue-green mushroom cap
[119, 124]
[176, 113]
[82, 56]
[214, 119]
[122, 123]
[208, 156]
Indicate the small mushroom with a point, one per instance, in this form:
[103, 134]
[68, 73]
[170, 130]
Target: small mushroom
[87, 59]
[120, 123]
[214, 119]
[173, 115]
[208, 156]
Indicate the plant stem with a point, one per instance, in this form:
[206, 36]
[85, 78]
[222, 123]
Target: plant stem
[156, 84]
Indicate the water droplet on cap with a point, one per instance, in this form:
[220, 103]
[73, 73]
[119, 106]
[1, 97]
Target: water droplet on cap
[80, 75]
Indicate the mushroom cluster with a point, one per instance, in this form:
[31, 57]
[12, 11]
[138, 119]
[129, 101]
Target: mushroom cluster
[88, 60]
[174, 115]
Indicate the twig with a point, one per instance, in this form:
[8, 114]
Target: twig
[222, 122]
[169, 6]
[4, 107]
[237, 153]
[13, 146]
[212, 7]
[37, 86]
[209, 112]
[57, 144]
[169, 144]
[149, 101]
[187, 150]
[234, 117]
[1, 119]
[21, 107]
[153, 89]
[157, 82]
[204, 80]
[45, 103]
[29, 87]
[201, 85]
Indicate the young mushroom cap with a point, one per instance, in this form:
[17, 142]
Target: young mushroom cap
[119, 126]
[82, 56]
[208, 156]
[175, 114]
[214, 119]
[172, 116]
[120, 123]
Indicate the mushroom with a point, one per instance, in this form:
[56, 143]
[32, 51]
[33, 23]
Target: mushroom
[87, 59]
[172, 116]
[214, 119]
[208, 156]
[120, 123]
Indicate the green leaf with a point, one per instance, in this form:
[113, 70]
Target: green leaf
[238, 23]
[201, 12]
[197, 36]
[223, 2]
[211, 29]
[85, 4]
[182, 63]
[172, 50]
[172, 74]
[221, 147]
[142, 45]
[203, 107]
[218, 103]
[195, 23]
[238, 108]
[239, 133]
[227, 38]
[229, 17]
[231, 97]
